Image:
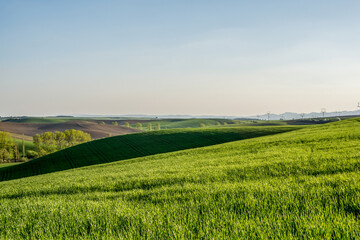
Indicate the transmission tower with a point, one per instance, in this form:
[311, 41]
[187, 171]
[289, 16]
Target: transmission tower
[302, 115]
[268, 115]
[323, 111]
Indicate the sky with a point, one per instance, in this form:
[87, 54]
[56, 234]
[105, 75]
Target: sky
[197, 57]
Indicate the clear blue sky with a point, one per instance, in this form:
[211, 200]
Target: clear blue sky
[178, 57]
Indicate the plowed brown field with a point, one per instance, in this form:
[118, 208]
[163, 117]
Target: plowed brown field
[94, 129]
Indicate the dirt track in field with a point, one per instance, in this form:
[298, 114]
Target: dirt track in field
[94, 129]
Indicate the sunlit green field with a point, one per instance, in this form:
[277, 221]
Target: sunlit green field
[28, 146]
[189, 123]
[2, 165]
[302, 184]
[135, 145]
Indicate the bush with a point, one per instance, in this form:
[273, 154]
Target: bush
[23, 159]
[139, 126]
[31, 154]
[4, 155]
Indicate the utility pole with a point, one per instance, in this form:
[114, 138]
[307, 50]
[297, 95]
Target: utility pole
[323, 111]
[268, 115]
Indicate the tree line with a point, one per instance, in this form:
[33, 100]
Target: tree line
[49, 142]
[9, 149]
[138, 125]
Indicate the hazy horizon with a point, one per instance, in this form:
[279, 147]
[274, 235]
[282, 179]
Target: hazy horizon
[225, 58]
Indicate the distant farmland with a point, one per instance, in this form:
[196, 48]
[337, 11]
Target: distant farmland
[93, 128]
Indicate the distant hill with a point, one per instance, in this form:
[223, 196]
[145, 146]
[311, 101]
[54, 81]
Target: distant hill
[94, 129]
[164, 123]
[292, 115]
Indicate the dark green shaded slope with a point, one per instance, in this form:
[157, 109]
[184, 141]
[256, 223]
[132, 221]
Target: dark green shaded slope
[132, 146]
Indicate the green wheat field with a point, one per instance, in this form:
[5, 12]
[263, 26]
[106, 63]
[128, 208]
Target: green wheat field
[271, 182]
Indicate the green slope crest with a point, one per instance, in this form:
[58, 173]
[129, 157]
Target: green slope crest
[132, 146]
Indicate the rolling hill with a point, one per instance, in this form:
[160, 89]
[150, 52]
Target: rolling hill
[302, 184]
[132, 146]
[94, 129]
[190, 123]
[165, 123]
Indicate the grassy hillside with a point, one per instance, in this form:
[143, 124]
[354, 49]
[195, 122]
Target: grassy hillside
[258, 123]
[28, 145]
[40, 120]
[303, 184]
[188, 123]
[132, 146]
[2, 165]
[21, 136]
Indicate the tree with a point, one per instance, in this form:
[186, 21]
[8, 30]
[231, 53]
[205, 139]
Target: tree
[127, 125]
[202, 125]
[139, 126]
[16, 151]
[101, 123]
[4, 155]
[115, 123]
[60, 140]
[149, 126]
[74, 137]
[23, 147]
[37, 143]
[218, 124]
[7, 147]
[157, 127]
[51, 142]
